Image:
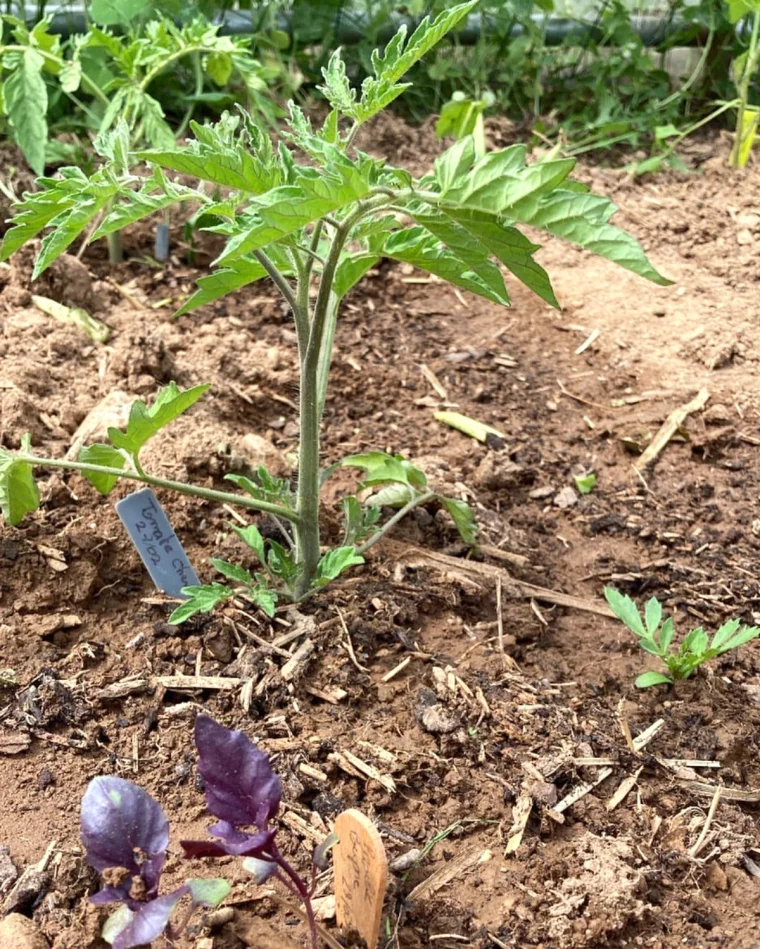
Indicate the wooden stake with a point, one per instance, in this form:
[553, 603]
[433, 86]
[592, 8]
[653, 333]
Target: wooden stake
[361, 876]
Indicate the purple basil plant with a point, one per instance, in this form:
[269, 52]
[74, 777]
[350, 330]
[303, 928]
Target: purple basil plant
[243, 791]
[125, 834]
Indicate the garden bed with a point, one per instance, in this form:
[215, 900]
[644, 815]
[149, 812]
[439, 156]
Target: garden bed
[464, 733]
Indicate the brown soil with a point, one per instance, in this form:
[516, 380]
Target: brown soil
[78, 613]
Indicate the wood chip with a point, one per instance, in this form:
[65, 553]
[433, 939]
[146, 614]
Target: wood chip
[669, 428]
[311, 772]
[118, 690]
[456, 867]
[192, 683]
[392, 673]
[589, 341]
[297, 663]
[301, 827]
[624, 789]
[354, 766]
[520, 816]
[14, 742]
[434, 381]
[333, 697]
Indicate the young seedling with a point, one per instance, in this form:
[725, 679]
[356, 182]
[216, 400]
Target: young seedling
[656, 637]
[243, 791]
[125, 835]
[314, 215]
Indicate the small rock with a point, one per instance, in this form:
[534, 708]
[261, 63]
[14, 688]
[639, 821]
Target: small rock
[405, 861]
[717, 414]
[18, 932]
[748, 219]
[744, 237]
[716, 876]
[537, 494]
[439, 720]
[257, 450]
[544, 793]
[566, 498]
[45, 779]
[660, 311]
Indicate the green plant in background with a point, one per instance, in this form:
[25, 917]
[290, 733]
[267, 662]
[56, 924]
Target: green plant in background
[314, 215]
[656, 637]
[744, 70]
[461, 116]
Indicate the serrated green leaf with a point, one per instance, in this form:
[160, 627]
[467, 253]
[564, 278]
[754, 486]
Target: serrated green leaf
[238, 273]
[337, 88]
[625, 609]
[724, 633]
[350, 270]
[251, 537]
[333, 564]
[380, 468]
[232, 571]
[118, 12]
[510, 246]
[464, 520]
[360, 521]
[581, 219]
[144, 422]
[746, 634]
[502, 179]
[653, 615]
[647, 679]
[418, 247]
[454, 163]
[106, 455]
[399, 56]
[395, 494]
[666, 634]
[218, 67]
[281, 562]
[71, 74]
[223, 154]
[18, 490]
[288, 208]
[26, 102]
[695, 642]
[208, 892]
[202, 599]
[265, 598]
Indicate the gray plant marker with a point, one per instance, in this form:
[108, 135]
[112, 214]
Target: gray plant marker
[157, 544]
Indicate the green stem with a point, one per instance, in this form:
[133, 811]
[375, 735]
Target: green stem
[749, 68]
[398, 516]
[167, 61]
[115, 247]
[87, 83]
[208, 494]
[191, 107]
[277, 278]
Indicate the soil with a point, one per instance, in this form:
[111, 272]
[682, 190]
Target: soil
[468, 733]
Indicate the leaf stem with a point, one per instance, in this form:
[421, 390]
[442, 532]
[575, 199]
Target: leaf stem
[398, 516]
[282, 284]
[297, 885]
[208, 494]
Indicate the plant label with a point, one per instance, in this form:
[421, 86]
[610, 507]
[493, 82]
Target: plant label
[361, 876]
[157, 544]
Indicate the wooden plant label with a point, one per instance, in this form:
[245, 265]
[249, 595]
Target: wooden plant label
[361, 876]
[157, 544]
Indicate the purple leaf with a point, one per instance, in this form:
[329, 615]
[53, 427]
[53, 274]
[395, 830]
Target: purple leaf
[122, 826]
[241, 788]
[149, 921]
[233, 842]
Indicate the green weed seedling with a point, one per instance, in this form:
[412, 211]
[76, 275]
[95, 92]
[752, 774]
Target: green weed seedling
[656, 637]
[312, 214]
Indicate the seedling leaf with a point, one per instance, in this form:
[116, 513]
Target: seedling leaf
[585, 483]
[251, 537]
[19, 494]
[232, 571]
[334, 563]
[144, 422]
[108, 457]
[381, 468]
[625, 609]
[745, 635]
[647, 679]
[461, 514]
[653, 615]
[208, 892]
[724, 633]
[202, 599]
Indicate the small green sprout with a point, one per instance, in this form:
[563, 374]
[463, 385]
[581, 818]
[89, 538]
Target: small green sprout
[585, 483]
[656, 637]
